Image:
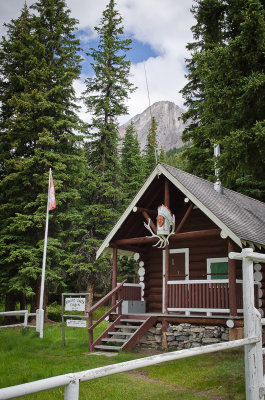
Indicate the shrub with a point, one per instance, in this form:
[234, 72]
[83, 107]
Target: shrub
[54, 312]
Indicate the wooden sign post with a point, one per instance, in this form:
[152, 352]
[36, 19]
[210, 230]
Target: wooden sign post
[74, 302]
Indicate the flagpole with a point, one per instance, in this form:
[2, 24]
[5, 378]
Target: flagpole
[41, 310]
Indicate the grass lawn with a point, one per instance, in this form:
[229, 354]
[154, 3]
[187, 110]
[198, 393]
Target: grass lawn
[25, 358]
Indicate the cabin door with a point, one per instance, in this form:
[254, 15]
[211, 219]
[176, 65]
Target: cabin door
[178, 268]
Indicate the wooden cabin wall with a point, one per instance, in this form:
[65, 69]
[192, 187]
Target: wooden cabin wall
[153, 279]
[199, 251]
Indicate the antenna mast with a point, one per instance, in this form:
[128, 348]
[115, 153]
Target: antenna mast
[151, 117]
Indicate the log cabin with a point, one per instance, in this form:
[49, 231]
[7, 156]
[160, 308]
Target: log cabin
[186, 274]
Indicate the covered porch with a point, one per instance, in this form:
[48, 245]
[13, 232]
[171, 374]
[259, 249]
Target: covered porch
[206, 298]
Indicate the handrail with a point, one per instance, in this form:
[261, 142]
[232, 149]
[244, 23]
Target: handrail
[100, 303]
[104, 315]
[105, 298]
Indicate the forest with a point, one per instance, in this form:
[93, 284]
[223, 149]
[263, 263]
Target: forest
[95, 173]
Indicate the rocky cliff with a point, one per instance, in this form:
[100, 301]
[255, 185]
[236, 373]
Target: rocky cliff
[169, 128]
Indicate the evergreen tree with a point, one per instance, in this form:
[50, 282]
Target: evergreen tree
[149, 154]
[105, 97]
[131, 165]
[162, 158]
[225, 93]
[39, 62]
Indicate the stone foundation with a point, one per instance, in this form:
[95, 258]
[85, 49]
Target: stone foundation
[184, 336]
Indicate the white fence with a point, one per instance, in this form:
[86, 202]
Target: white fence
[255, 388]
[18, 313]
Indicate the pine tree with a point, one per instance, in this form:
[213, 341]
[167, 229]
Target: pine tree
[39, 62]
[225, 93]
[107, 91]
[131, 165]
[149, 153]
[105, 97]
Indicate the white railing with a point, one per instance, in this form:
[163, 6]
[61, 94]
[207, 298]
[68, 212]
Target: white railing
[17, 313]
[71, 381]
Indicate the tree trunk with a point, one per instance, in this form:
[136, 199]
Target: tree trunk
[10, 304]
[90, 289]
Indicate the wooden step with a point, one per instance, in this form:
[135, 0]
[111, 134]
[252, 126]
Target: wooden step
[114, 340]
[104, 347]
[133, 320]
[127, 326]
[121, 333]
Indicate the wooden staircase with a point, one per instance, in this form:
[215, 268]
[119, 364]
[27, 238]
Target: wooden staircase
[124, 333]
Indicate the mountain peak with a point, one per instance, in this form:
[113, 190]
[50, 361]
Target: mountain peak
[169, 127]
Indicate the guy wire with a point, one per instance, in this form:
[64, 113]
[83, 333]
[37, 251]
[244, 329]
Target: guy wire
[152, 125]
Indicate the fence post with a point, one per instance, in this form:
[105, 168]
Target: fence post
[252, 327]
[71, 391]
[26, 316]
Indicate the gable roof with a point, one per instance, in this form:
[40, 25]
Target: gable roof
[240, 217]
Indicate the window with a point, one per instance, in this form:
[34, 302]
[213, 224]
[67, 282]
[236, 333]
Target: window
[217, 268]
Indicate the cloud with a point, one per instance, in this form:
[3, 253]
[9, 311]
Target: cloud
[164, 25]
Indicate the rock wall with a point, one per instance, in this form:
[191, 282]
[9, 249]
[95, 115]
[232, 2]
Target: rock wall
[184, 336]
[169, 126]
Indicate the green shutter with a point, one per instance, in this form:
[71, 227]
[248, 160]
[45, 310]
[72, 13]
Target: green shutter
[220, 269]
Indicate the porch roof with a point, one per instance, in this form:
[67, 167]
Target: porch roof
[238, 216]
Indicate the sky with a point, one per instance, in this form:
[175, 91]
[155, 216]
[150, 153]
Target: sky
[159, 29]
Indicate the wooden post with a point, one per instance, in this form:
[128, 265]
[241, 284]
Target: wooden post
[166, 203]
[90, 332]
[114, 273]
[166, 278]
[120, 297]
[232, 280]
[164, 334]
[166, 194]
[71, 391]
[63, 321]
[252, 327]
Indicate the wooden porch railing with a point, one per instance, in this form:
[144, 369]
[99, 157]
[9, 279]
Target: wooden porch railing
[91, 326]
[132, 291]
[203, 295]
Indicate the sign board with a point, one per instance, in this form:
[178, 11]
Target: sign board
[76, 323]
[75, 304]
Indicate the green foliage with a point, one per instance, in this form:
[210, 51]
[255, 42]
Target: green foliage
[225, 93]
[132, 172]
[105, 96]
[149, 153]
[54, 312]
[127, 269]
[38, 129]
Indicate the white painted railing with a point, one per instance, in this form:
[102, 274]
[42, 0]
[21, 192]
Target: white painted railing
[17, 313]
[71, 381]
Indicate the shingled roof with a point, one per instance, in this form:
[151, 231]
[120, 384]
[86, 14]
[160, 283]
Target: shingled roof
[238, 216]
[244, 216]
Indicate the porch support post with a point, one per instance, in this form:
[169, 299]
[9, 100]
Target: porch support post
[114, 272]
[166, 278]
[166, 194]
[164, 334]
[232, 280]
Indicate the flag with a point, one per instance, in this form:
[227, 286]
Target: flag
[52, 203]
